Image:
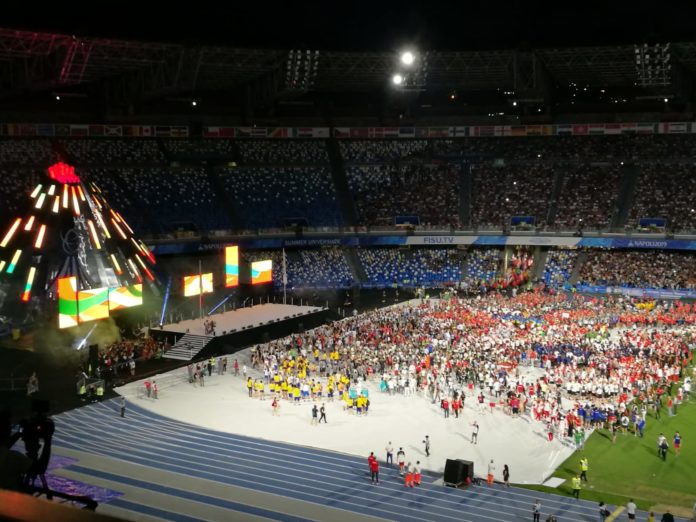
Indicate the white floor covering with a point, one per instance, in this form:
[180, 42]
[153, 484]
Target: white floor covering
[223, 404]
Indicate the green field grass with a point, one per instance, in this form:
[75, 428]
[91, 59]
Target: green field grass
[631, 468]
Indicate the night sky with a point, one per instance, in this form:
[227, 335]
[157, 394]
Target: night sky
[376, 25]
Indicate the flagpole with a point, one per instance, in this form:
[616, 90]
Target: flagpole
[200, 287]
[285, 279]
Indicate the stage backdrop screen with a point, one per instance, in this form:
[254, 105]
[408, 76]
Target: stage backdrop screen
[231, 266]
[192, 284]
[261, 272]
[93, 304]
[125, 296]
[67, 302]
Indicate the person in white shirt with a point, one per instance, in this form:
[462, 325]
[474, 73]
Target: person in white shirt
[631, 510]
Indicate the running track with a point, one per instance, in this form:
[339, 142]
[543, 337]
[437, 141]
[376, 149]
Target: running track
[170, 470]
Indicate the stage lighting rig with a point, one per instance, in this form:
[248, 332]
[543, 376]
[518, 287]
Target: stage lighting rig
[653, 67]
[411, 72]
[302, 69]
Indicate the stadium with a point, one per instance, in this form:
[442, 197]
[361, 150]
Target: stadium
[366, 265]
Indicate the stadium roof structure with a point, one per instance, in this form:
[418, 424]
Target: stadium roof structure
[134, 70]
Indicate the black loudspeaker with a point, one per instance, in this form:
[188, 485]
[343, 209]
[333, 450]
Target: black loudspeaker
[93, 358]
[457, 471]
[454, 472]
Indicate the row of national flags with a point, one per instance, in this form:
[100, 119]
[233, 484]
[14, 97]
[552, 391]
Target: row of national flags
[492, 131]
[93, 130]
[473, 131]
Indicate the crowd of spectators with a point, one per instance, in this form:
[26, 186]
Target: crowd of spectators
[570, 148]
[283, 152]
[105, 152]
[383, 192]
[559, 266]
[482, 265]
[430, 267]
[120, 357]
[639, 269]
[162, 199]
[666, 191]
[26, 152]
[200, 149]
[511, 190]
[266, 197]
[382, 151]
[589, 196]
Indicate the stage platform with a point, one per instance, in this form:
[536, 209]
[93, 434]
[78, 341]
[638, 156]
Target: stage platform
[236, 328]
[242, 318]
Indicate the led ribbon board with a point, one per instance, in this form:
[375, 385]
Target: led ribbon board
[192, 284]
[93, 304]
[231, 266]
[125, 297]
[261, 272]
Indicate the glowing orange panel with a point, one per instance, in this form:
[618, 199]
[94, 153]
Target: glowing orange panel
[40, 237]
[29, 224]
[93, 233]
[10, 232]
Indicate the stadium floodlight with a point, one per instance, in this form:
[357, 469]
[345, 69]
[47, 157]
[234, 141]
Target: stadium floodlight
[397, 79]
[407, 58]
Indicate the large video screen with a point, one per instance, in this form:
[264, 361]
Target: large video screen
[67, 302]
[231, 266]
[261, 272]
[125, 297]
[93, 304]
[192, 284]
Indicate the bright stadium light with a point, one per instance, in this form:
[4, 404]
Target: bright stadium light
[407, 58]
[397, 79]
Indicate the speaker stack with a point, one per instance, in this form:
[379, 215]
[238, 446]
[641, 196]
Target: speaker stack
[457, 471]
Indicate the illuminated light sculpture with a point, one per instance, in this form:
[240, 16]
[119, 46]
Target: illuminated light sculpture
[68, 236]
